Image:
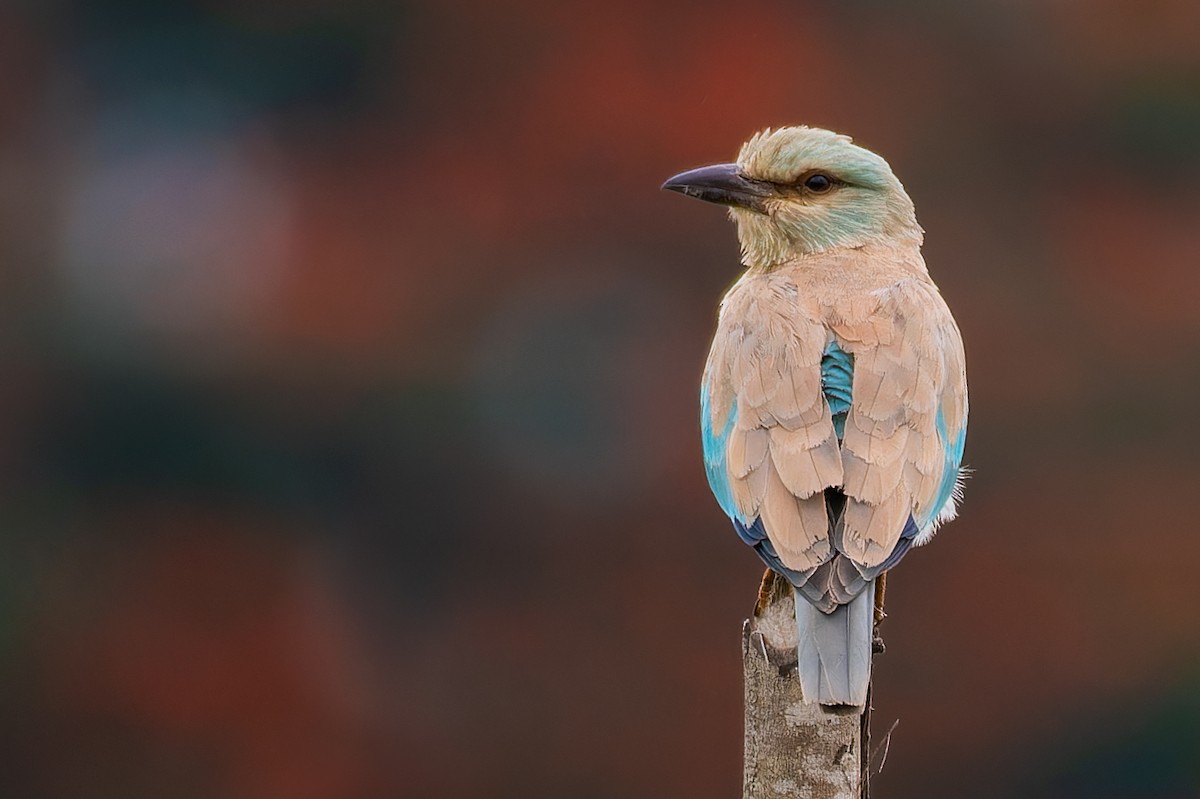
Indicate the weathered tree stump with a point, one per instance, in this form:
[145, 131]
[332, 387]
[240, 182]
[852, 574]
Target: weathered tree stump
[793, 750]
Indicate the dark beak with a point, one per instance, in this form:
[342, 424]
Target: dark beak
[723, 184]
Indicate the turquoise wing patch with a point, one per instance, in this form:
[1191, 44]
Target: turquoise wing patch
[837, 379]
[715, 443]
[953, 462]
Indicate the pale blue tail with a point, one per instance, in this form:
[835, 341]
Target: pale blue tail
[834, 650]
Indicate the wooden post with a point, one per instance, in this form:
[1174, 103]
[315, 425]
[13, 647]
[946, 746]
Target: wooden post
[793, 750]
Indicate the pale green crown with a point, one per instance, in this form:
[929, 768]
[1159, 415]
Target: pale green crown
[866, 204]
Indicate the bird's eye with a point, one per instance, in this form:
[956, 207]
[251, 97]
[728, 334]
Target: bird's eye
[818, 184]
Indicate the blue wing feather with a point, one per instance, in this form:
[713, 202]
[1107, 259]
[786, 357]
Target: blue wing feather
[953, 453]
[837, 379]
[756, 536]
[715, 443]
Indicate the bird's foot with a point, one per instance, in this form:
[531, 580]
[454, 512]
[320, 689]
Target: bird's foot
[766, 591]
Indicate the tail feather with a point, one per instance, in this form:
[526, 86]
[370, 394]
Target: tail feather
[834, 650]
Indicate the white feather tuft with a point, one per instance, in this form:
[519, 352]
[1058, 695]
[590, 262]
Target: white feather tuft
[948, 512]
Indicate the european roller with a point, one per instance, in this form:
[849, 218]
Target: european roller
[834, 400]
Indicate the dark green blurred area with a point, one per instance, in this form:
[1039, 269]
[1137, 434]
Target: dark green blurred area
[349, 446]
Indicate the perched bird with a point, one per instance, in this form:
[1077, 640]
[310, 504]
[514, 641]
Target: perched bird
[834, 400]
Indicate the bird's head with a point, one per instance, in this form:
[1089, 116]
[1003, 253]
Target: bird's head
[798, 190]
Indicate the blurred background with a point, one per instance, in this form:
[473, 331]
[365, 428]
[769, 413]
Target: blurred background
[348, 439]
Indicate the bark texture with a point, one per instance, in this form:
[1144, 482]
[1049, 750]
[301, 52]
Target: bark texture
[792, 750]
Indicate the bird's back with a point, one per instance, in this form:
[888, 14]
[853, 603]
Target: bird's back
[834, 405]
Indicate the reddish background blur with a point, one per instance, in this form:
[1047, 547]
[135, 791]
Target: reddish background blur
[348, 445]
